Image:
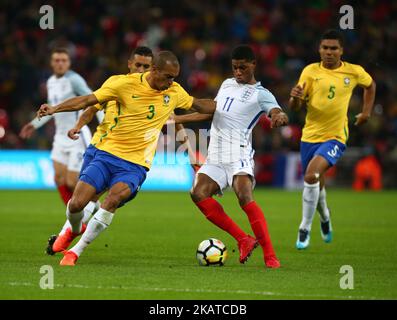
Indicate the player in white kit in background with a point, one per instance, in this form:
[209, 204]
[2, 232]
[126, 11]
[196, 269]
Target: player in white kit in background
[66, 154]
[239, 104]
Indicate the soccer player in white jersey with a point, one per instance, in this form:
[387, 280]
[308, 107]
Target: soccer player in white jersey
[66, 154]
[239, 104]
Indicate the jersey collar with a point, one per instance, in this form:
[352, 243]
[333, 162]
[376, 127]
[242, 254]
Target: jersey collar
[338, 68]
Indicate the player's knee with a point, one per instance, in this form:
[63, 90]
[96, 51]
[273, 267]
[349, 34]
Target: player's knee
[198, 194]
[244, 198]
[312, 178]
[112, 202]
[76, 204]
[59, 179]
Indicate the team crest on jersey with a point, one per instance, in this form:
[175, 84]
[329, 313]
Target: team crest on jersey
[166, 99]
[247, 94]
[346, 80]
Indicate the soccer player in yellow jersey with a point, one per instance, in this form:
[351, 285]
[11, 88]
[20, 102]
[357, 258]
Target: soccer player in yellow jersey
[325, 88]
[125, 152]
[140, 61]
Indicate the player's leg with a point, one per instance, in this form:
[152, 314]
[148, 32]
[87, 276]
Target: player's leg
[60, 170]
[203, 189]
[125, 180]
[89, 209]
[324, 212]
[77, 162]
[311, 192]
[82, 194]
[243, 186]
[102, 219]
[59, 159]
[104, 216]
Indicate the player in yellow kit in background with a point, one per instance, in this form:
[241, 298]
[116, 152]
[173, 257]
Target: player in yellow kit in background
[325, 88]
[125, 152]
[140, 61]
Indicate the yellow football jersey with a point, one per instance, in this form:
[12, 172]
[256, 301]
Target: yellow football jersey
[327, 94]
[141, 113]
[110, 110]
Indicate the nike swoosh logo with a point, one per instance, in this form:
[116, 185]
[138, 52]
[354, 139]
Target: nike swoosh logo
[134, 96]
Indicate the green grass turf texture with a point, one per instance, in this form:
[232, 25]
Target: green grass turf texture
[149, 250]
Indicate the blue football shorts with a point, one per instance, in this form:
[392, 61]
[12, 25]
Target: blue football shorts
[87, 157]
[330, 150]
[105, 170]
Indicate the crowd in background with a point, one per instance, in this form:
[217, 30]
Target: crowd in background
[101, 34]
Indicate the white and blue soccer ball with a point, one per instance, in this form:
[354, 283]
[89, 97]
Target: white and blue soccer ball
[211, 252]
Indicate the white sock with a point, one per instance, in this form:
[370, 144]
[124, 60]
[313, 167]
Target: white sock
[65, 226]
[97, 206]
[322, 207]
[75, 220]
[89, 209]
[310, 196]
[101, 220]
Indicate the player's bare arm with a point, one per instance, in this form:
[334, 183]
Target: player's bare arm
[207, 106]
[278, 118]
[368, 103]
[83, 120]
[27, 131]
[72, 104]
[191, 117]
[296, 97]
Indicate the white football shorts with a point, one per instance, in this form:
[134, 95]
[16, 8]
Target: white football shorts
[72, 158]
[223, 173]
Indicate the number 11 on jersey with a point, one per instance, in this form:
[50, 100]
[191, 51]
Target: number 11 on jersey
[226, 105]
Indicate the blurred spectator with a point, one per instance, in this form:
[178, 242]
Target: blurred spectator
[367, 174]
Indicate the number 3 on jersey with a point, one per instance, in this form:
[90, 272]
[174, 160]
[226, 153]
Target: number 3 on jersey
[228, 103]
[151, 112]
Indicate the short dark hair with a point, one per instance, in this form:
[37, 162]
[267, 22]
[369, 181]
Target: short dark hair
[162, 57]
[333, 35]
[60, 50]
[243, 52]
[142, 51]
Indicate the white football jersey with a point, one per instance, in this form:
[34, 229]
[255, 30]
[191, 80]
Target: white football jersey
[60, 89]
[238, 109]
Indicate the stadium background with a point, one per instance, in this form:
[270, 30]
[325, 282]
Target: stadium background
[101, 35]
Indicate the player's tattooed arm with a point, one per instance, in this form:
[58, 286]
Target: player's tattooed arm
[207, 106]
[368, 103]
[72, 104]
[278, 118]
[296, 100]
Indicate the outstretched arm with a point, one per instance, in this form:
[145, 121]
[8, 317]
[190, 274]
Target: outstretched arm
[85, 118]
[191, 117]
[29, 128]
[368, 104]
[72, 104]
[207, 106]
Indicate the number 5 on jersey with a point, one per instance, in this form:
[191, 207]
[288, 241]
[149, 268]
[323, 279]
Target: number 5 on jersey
[331, 94]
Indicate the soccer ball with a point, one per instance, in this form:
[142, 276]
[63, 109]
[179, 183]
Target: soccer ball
[211, 252]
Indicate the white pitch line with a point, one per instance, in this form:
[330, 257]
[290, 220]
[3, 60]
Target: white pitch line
[243, 292]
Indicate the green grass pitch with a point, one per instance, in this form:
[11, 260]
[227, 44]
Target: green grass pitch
[149, 250]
